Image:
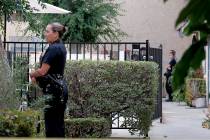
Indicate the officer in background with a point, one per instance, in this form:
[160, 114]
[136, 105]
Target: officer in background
[50, 78]
[168, 74]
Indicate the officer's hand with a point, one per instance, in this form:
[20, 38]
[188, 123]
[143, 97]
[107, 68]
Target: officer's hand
[33, 80]
[31, 74]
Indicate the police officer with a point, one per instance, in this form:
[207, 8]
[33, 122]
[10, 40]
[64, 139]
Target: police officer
[168, 75]
[52, 64]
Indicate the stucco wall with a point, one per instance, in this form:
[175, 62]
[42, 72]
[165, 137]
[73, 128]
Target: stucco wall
[155, 21]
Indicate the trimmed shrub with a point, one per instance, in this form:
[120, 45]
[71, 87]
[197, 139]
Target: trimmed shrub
[104, 88]
[185, 94]
[18, 124]
[195, 87]
[87, 127]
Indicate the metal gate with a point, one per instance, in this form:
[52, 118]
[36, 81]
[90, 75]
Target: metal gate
[29, 52]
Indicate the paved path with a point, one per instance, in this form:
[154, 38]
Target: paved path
[179, 122]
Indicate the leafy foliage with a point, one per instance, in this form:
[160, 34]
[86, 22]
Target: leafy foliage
[185, 94]
[195, 88]
[8, 7]
[180, 96]
[196, 13]
[20, 71]
[101, 89]
[90, 20]
[87, 127]
[192, 58]
[206, 122]
[18, 124]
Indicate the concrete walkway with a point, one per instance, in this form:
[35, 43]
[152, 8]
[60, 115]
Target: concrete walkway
[179, 122]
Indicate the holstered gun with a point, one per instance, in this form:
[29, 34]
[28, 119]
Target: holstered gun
[54, 81]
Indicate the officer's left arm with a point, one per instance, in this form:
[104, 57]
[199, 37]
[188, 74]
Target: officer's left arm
[41, 71]
[47, 61]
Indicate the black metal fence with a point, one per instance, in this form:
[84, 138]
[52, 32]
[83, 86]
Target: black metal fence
[23, 56]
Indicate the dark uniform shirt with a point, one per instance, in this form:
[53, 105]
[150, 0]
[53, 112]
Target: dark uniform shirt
[172, 63]
[168, 72]
[55, 56]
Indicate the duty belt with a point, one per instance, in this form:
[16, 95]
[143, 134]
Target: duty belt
[56, 76]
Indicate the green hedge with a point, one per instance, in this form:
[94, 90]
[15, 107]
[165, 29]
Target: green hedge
[102, 88]
[87, 127]
[82, 128]
[18, 124]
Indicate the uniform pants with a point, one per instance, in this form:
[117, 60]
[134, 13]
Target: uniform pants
[169, 89]
[54, 112]
[54, 121]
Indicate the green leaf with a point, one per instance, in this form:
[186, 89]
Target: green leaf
[204, 28]
[192, 58]
[188, 10]
[90, 21]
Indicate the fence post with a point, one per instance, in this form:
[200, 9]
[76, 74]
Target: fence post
[147, 50]
[160, 86]
[5, 30]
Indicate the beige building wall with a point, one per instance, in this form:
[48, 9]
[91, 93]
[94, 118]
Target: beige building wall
[17, 30]
[154, 20]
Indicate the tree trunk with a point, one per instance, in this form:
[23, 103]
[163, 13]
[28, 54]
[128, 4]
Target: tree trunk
[1, 47]
[8, 97]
